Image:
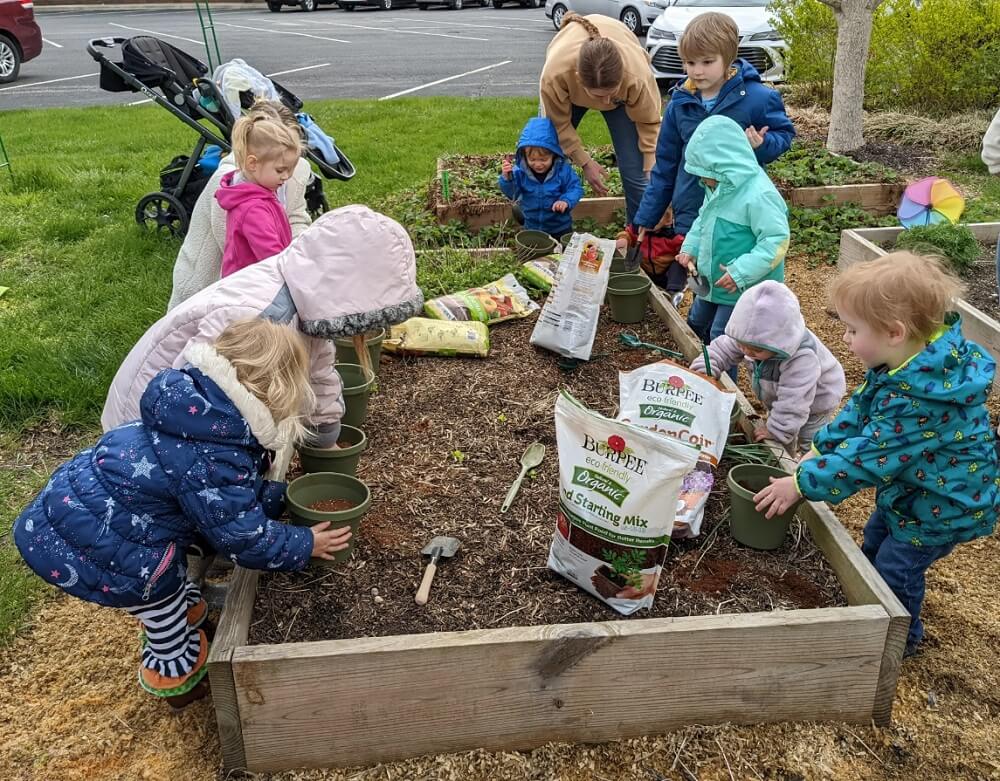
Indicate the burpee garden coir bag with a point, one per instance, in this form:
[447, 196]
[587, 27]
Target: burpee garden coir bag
[618, 486]
[673, 400]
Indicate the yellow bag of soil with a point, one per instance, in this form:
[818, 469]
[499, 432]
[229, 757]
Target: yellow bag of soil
[422, 336]
[542, 272]
[504, 299]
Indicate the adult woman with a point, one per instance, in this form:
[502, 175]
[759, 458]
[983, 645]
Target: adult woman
[595, 62]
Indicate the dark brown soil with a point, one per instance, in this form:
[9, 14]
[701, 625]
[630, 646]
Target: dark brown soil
[446, 471]
[900, 157]
[981, 287]
[344, 443]
[333, 505]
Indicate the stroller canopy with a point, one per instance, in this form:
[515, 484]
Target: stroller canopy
[157, 64]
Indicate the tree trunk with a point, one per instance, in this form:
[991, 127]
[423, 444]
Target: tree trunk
[854, 32]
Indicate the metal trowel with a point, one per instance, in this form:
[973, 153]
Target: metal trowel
[438, 548]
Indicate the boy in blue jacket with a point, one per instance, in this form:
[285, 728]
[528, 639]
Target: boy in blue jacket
[541, 181]
[917, 429]
[718, 84]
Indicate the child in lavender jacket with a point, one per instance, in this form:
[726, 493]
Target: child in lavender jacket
[793, 373]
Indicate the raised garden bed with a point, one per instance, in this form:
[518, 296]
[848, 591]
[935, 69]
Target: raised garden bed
[978, 325]
[378, 698]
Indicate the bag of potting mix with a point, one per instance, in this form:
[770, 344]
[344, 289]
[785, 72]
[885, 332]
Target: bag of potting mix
[542, 272]
[618, 486]
[673, 400]
[422, 336]
[568, 321]
[504, 299]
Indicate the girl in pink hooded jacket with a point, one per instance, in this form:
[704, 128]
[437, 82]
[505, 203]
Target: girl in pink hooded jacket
[257, 227]
[793, 373]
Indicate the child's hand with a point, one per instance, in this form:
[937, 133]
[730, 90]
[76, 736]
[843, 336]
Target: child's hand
[760, 433]
[685, 260]
[560, 206]
[506, 167]
[621, 244]
[756, 137]
[778, 497]
[726, 282]
[326, 543]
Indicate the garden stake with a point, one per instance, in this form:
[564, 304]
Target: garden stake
[438, 548]
[708, 363]
[445, 190]
[631, 339]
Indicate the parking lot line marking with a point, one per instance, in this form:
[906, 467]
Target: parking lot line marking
[283, 32]
[50, 81]
[52, 43]
[269, 75]
[546, 22]
[487, 26]
[447, 78]
[405, 32]
[154, 32]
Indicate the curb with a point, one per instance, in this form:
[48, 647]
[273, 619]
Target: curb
[140, 6]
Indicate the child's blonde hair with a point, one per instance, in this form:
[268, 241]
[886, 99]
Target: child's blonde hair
[272, 362]
[710, 34]
[915, 290]
[262, 135]
[279, 112]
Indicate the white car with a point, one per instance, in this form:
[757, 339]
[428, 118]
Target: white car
[760, 44]
[636, 15]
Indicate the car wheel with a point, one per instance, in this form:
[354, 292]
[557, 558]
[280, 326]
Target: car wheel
[558, 12]
[534, 3]
[630, 18]
[456, 5]
[274, 7]
[385, 5]
[10, 60]
[308, 5]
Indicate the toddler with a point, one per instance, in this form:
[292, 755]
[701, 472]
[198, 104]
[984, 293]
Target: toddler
[916, 430]
[113, 523]
[793, 373]
[540, 181]
[266, 152]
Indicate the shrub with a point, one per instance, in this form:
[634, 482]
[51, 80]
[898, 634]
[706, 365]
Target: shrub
[956, 243]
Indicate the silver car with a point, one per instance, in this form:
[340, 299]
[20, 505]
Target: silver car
[636, 15]
[760, 44]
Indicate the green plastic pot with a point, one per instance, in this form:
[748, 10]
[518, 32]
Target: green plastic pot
[611, 279]
[358, 382]
[347, 354]
[565, 239]
[618, 266]
[320, 486]
[533, 244]
[627, 295]
[748, 526]
[342, 460]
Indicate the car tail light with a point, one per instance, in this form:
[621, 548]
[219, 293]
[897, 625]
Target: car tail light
[27, 5]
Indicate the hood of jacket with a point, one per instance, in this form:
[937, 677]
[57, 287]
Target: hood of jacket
[768, 316]
[353, 270]
[740, 72]
[539, 131]
[719, 150]
[230, 195]
[206, 401]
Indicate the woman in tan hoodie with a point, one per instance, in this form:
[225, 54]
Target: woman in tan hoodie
[595, 62]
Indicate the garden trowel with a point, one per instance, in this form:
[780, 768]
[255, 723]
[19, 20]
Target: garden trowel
[531, 458]
[632, 258]
[438, 548]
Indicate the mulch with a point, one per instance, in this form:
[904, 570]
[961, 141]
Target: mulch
[446, 436]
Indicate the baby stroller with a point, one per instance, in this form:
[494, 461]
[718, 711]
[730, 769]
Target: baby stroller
[180, 84]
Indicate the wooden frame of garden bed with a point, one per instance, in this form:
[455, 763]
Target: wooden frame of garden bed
[378, 699]
[859, 244]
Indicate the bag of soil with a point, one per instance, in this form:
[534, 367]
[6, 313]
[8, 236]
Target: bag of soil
[422, 336]
[568, 321]
[618, 486]
[671, 399]
[504, 299]
[541, 273]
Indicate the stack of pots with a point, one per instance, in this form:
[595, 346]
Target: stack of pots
[529, 245]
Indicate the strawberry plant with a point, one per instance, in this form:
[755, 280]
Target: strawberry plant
[816, 232]
[809, 164]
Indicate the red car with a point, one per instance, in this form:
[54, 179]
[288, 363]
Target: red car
[20, 38]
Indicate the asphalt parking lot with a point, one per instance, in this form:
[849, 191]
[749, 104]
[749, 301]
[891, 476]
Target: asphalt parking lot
[329, 53]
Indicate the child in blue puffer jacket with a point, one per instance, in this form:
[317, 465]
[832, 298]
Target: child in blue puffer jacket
[917, 429]
[112, 524]
[540, 181]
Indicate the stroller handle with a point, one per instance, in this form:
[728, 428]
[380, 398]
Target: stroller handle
[103, 43]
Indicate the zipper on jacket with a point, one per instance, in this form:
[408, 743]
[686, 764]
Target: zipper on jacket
[160, 570]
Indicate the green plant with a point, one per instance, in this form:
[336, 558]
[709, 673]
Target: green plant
[809, 164]
[816, 232]
[626, 565]
[956, 243]
[457, 456]
[809, 29]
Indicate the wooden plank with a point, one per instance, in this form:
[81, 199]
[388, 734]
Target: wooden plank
[601, 209]
[358, 702]
[878, 198]
[231, 633]
[855, 248]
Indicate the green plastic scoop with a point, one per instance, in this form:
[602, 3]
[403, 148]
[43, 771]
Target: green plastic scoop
[531, 458]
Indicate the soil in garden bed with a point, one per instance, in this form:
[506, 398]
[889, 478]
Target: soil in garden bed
[446, 436]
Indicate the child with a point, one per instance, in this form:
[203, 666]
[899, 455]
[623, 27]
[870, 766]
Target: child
[112, 524]
[718, 84]
[741, 233]
[916, 430]
[541, 181]
[257, 227]
[793, 373]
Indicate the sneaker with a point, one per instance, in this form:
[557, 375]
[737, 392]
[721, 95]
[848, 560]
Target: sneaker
[180, 702]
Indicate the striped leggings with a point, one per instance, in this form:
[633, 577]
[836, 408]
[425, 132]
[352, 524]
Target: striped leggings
[172, 643]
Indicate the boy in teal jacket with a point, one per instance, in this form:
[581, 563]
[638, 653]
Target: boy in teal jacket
[740, 236]
[917, 429]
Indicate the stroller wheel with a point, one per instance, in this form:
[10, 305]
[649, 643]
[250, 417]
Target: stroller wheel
[162, 212]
